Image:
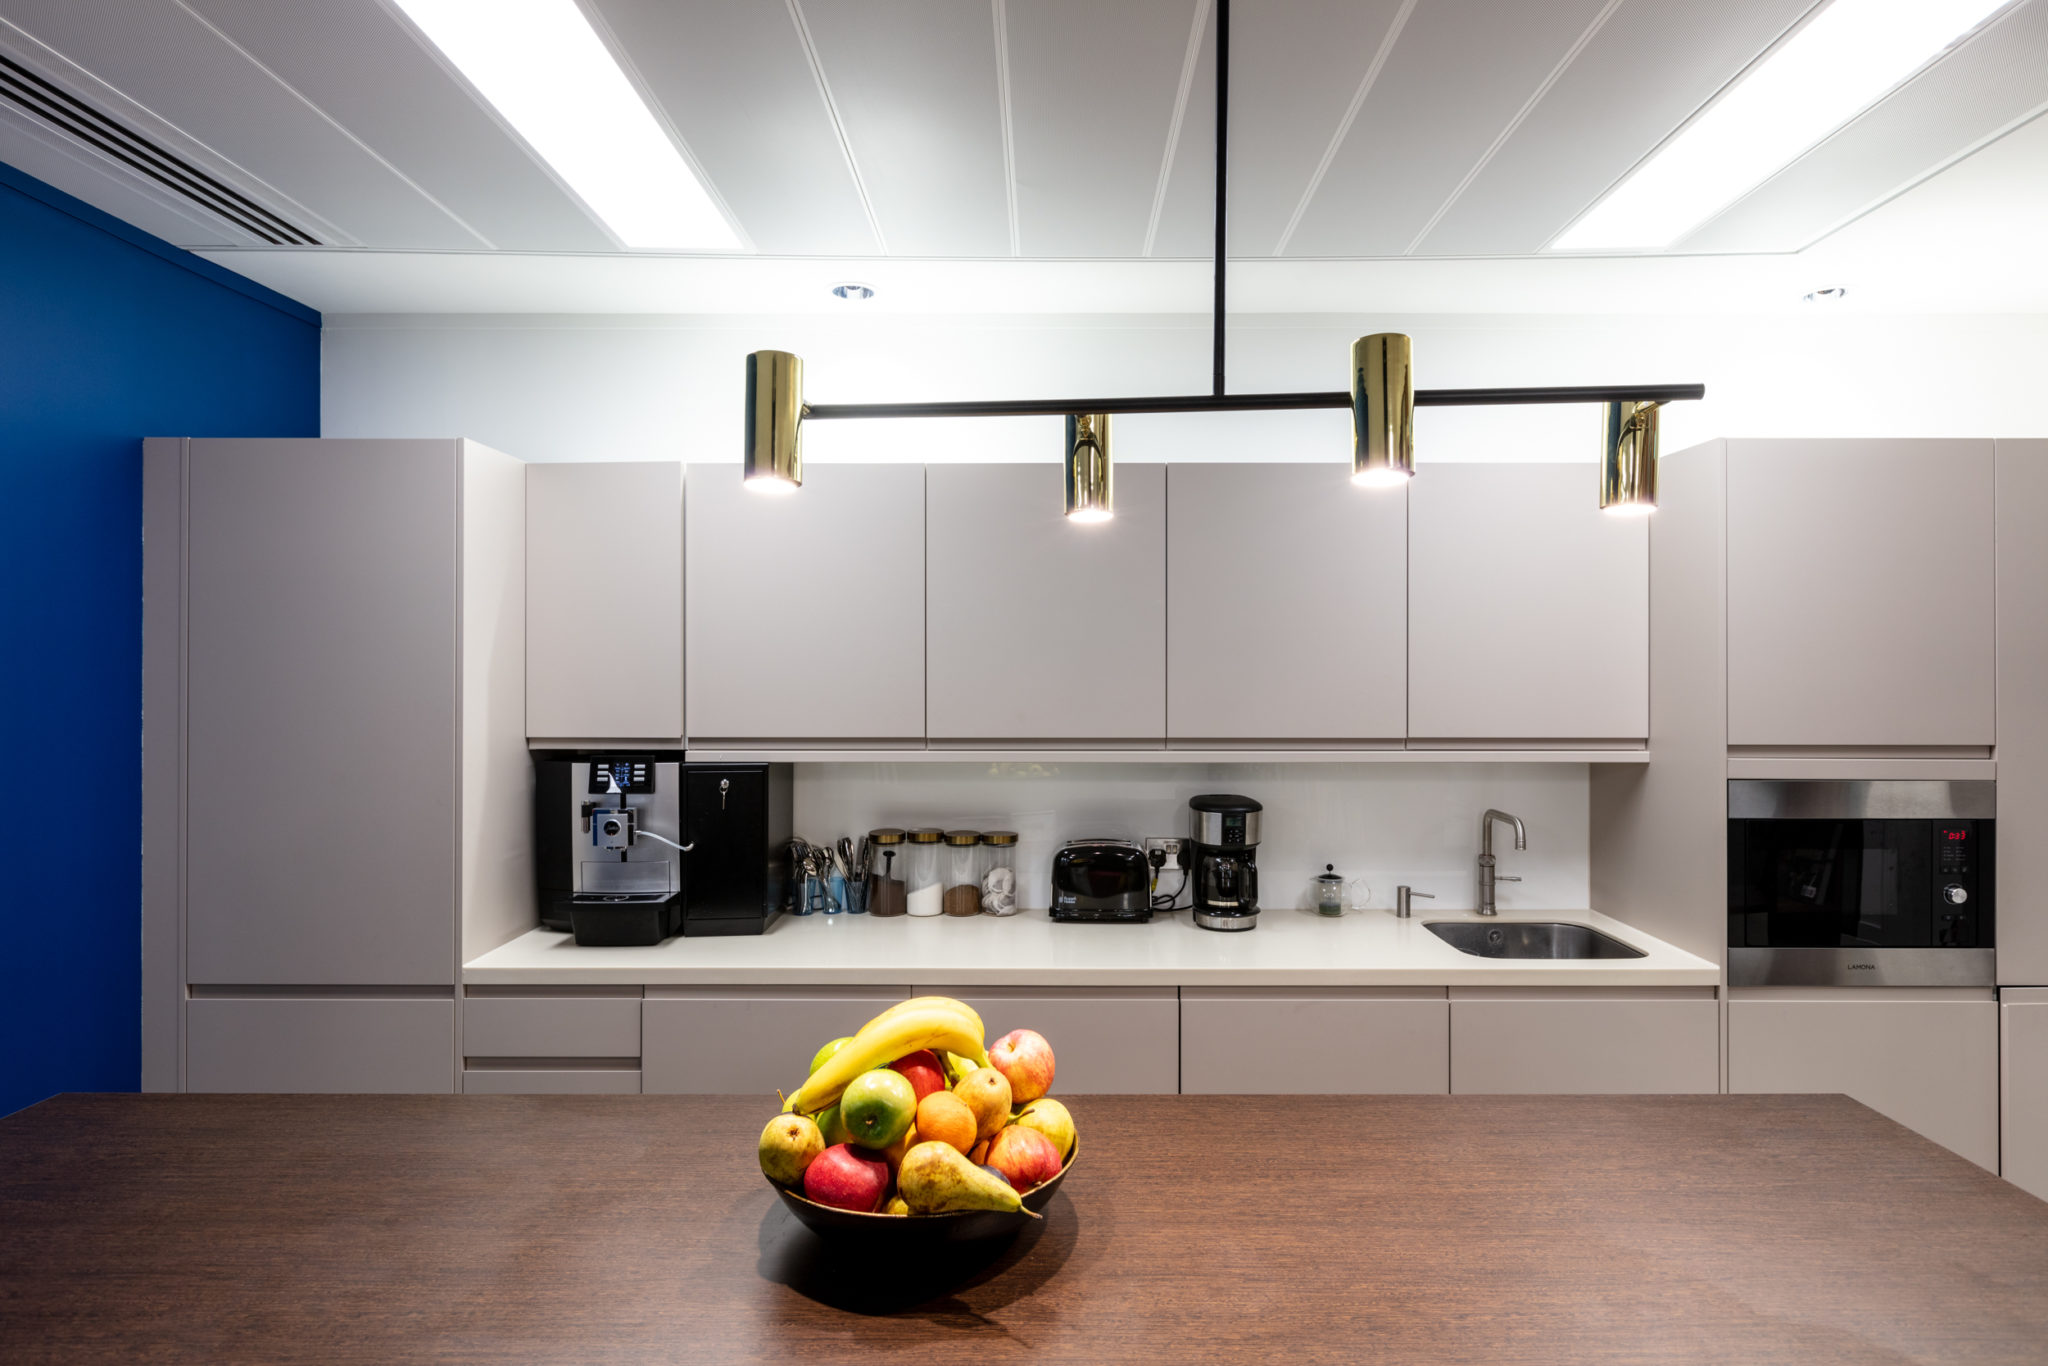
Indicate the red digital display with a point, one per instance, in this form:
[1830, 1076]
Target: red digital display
[1957, 834]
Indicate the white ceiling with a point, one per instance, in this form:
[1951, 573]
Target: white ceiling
[891, 137]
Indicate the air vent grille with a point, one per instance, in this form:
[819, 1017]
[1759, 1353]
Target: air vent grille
[64, 111]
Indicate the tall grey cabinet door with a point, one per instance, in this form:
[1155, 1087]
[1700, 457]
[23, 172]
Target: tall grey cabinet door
[1286, 605]
[1860, 593]
[604, 601]
[806, 610]
[2023, 709]
[1528, 607]
[1038, 628]
[2023, 1088]
[321, 715]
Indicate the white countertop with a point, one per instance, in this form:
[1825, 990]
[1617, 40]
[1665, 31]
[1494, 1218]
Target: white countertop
[1289, 948]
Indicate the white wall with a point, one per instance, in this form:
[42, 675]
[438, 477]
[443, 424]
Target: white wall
[1386, 823]
[634, 387]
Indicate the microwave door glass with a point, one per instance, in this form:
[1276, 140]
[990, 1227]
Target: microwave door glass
[1830, 884]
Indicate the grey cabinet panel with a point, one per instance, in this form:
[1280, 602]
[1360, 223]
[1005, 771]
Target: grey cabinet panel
[324, 1044]
[551, 1027]
[805, 617]
[1038, 628]
[604, 601]
[1562, 1042]
[745, 1040]
[1314, 1041]
[1105, 1040]
[2022, 470]
[321, 712]
[1287, 612]
[1528, 607]
[1860, 593]
[566, 1081]
[2023, 1084]
[1932, 1065]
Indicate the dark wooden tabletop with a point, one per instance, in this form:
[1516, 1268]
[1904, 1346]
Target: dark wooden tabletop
[1300, 1229]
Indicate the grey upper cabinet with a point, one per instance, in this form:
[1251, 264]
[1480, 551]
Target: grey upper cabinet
[604, 602]
[1287, 611]
[1040, 629]
[805, 615]
[1860, 593]
[2023, 709]
[321, 711]
[1528, 607]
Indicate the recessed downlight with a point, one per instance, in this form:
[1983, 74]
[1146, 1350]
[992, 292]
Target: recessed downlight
[853, 290]
[1833, 294]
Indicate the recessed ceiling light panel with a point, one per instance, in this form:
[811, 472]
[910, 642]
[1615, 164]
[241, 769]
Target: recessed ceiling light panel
[1848, 57]
[542, 66]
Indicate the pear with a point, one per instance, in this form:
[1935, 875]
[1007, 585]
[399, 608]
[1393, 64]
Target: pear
[935, 1178]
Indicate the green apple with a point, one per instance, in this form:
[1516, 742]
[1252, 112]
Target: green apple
[831, 1129]
[878, 1107]
[819, 1058]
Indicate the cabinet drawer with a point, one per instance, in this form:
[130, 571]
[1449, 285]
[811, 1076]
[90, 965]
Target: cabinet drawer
[1569, 1042]
[1280, 1041]
[1105, 1040]
[551, 1026]
[745, 1040]
[330, 1044]
[1930, 1064]
[566, 1081]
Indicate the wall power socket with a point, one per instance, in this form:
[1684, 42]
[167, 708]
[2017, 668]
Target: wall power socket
[1166, 845]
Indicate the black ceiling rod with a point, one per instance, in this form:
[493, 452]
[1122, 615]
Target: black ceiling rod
[1222, 184]
[1251, 403]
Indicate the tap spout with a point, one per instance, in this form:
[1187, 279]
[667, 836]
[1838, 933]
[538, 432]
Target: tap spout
[1486, 830]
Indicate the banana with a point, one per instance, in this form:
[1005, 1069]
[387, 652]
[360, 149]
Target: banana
[934, 1022]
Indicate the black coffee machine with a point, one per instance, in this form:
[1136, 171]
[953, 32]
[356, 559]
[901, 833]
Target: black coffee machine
[1223, 830]
[630, 848]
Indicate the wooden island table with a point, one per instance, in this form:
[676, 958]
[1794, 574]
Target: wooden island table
[1298, 1229]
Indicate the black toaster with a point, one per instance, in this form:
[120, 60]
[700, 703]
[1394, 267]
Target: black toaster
[1099, 880]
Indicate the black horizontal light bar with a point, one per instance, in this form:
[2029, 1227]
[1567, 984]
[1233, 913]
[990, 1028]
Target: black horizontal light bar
[1247, 403]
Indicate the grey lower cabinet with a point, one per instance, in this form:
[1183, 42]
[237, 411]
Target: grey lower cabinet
[1286, 605]
[1560, 1041]
[1316, 1040]
[568, 1040]
[604, 600]
[1105, 1040]
[2023, 1086]
[827, 583]
[1036, 628]
[746, 1040]
[1860, 592]
[2022, 555]
[1528, 608]
[320, 1043]
[1926, 1058]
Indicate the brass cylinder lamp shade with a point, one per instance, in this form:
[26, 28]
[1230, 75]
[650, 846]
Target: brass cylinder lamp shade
[1382, 410]
[1628, 458]
[775, 410]
[1090, 477]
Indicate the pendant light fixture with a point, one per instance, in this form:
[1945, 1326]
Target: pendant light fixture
[1382, 398]
[1090, 492]
[775, 411]
[1628, 458]
[1382, 410]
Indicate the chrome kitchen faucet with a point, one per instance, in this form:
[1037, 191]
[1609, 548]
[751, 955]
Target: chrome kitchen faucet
[1487, 877]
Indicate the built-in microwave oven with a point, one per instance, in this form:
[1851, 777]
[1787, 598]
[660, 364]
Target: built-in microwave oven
[1878, 883]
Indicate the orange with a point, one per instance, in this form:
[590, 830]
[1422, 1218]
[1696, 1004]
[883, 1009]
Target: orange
[945, 1118]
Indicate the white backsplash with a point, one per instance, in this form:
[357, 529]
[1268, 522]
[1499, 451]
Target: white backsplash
[1387, 823]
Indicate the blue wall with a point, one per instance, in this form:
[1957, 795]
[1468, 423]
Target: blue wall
[107, 335]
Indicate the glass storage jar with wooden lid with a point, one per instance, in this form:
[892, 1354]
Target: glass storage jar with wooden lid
[999, 872]
[921, 873]
[963, 872]
[886, 871]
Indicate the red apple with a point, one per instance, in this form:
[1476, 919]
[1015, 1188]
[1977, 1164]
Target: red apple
[923, 1071]
[1025, 1157]
[1025, 1058]
[843, 1179]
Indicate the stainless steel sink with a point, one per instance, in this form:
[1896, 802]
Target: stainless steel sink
[1529, 939]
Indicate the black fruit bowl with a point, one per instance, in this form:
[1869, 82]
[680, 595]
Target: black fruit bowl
[894, 1231]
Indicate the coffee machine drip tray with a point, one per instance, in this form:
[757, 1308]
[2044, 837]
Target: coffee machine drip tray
[1226, 920]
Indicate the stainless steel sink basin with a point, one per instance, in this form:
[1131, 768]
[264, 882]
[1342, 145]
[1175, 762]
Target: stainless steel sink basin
[1529, 939]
